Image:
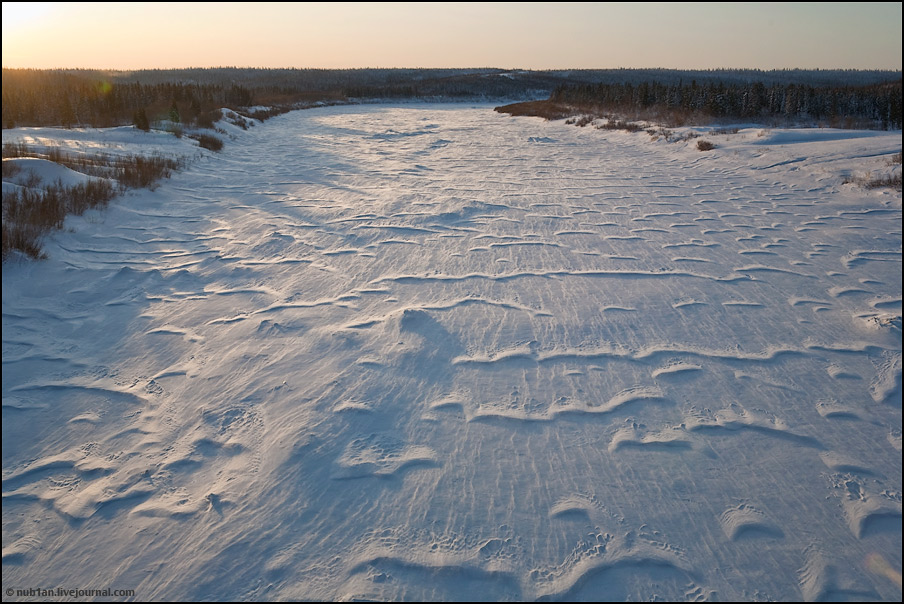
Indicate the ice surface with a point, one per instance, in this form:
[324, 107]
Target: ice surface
[434, 352]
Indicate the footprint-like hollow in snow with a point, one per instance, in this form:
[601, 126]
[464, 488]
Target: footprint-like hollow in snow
[382, 456]
[675, 369]
[744, 521]
[573, 507]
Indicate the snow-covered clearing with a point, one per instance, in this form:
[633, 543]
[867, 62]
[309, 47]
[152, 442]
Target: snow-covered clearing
[435, 352]
[121, 141]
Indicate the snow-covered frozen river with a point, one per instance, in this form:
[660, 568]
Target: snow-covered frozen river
[438, 353]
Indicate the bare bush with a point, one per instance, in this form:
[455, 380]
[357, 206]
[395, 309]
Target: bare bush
[55, 154]
[620, 125]
[657, 133]
[11, 169]
[208, 119]
[236, 120]
[15, 149]
[875, 181]
[265, 114]
[892, 181]
[23, 238]
[88, 195]
[30, 212]
[705, 146]
[31, 180]
[138, 172]
[208, 141]
[545, 109]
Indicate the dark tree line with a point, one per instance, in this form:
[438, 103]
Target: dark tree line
[77, 97]
[95, 98]
[875, 105]
[60, 98]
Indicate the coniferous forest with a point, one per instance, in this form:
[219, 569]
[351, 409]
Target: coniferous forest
[872, 106]
[73, 97]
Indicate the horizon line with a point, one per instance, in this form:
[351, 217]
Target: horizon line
[891, 69]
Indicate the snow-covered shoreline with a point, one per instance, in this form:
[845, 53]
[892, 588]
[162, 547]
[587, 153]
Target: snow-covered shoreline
[433, 352]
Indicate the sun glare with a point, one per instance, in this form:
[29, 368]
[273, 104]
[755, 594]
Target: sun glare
[20, 14]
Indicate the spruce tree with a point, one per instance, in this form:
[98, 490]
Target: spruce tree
[140, 120]
[174, 113]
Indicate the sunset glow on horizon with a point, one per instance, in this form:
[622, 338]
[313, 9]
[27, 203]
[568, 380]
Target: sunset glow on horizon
[128, 36]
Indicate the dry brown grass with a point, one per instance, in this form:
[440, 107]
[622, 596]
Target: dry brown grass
[34, 210]
[875, 181]
[545, 109]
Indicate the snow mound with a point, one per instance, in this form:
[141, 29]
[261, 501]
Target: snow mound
[44, 172]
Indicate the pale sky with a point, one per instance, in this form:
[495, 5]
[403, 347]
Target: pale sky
[506, 35]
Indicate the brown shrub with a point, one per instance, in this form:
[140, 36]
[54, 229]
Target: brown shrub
[548, 110]
[206, 141]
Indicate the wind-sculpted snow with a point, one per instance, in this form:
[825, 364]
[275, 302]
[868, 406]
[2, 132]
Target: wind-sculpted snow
[437, 353]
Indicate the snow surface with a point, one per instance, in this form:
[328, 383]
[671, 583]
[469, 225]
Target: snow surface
[123, 140]
[45, 172]
[435, 352]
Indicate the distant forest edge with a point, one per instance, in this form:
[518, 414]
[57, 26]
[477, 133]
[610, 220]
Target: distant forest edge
[75, 97]
[872, 106]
